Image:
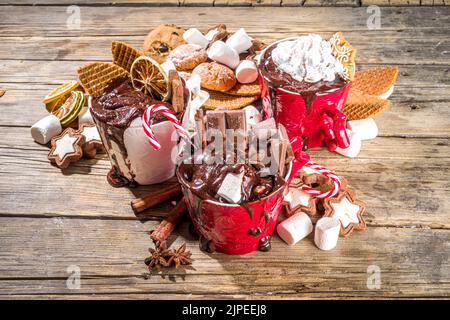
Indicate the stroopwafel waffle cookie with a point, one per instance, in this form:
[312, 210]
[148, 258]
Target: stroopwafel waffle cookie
[375, 81]
[361, 106]
[95, 76]
[219, 99]
[245, 90]
[124, 54]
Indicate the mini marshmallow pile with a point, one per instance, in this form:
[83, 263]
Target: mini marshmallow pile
[227, 53]
[299, 225]
[308, 58]
[357, 131]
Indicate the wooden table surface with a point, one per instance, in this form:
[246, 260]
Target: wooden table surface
[53, 222]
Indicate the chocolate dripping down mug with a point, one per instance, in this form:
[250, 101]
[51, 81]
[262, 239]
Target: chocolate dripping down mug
[307, 99]
[118, 117]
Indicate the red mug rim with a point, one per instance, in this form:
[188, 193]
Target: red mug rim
[263, 52]
[182, 181]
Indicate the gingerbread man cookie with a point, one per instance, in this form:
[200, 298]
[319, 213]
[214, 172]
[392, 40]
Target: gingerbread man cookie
[93, 142]
[66, 148]
[347, 209]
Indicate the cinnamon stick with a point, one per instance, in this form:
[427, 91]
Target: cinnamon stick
[165, 228]
[157, 197]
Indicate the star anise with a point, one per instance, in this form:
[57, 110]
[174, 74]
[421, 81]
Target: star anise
[157, 257]
[179, 256]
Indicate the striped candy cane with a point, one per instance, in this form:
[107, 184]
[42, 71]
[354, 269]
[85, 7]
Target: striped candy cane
[169, 115]
[316, 193]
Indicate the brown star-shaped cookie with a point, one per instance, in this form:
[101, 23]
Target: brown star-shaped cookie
[93, 142]
[296, 200]
[347, 209]
[344, 186]
[66, 147]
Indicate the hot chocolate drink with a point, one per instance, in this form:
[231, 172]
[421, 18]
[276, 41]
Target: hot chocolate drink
[117, 114]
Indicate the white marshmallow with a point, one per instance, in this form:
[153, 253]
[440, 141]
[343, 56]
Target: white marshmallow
[85, 117]
[366, 128]
[388, 93]
[222, 53]
[194, 36]
[295, 228]
[45, 129]
[246, 71]
[210, 35]
[252, 115]
[240, 41]
[167, 66]
[231, 187]
[326, 234]
[355, 145]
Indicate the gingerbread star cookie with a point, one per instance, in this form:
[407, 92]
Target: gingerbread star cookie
[93, 142]
[347, 209]
[296, 200]
[66, 148]
[345, 54]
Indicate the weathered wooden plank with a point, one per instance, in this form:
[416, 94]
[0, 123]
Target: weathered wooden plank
[413, 263]
[158, 3]
[331, 3]
[226, 3]
[417, 169]
[135, 20]
[427, 46]
[404, 2]
[415, 112]
[405, 117]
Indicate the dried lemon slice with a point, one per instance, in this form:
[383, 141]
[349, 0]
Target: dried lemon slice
[61, 91]
[148, 76]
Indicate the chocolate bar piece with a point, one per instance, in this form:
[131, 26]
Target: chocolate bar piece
[235, 120]
[216, 120]
[284, 145]
[262, 128]
[200, 128]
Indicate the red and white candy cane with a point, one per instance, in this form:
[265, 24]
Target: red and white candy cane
[169, 115]
[317, 193]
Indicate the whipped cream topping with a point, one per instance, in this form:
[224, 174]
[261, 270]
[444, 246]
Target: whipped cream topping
[308, 58]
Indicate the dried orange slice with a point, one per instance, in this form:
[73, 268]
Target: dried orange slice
[61, 91]
[148, 76]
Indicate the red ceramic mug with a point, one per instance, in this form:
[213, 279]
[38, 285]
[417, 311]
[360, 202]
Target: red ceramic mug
[323, 124]
[234, 228]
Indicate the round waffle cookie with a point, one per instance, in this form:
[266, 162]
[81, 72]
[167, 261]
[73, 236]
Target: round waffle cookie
[124, 54]
[361, 106]
[96, 75]
[375, 81]
[220, 99]
[245, 90]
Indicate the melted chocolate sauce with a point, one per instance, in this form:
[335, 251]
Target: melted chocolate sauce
[265, 244]
[204, 180]
[308, 90]
[113, 113]
[255, 231]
